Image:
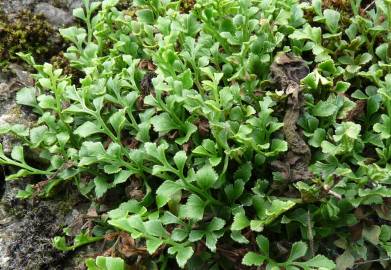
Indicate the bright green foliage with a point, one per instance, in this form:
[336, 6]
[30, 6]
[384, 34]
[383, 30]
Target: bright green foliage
[105, 263]
[299, 250]
[80, 240]
[208, 126]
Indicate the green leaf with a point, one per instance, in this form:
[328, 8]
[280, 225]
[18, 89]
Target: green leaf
[106, 4]
[263, 244]
[196, 235]
[122, 177]
[345, 261]
[311, 81]
[183, 255]
[26, 193]
[311, 33]
[385, 233]
[234, 191]
[80, 240]
[132, 224]
[111, 169]
[155, 228]
[27, 96]
[358, 94]
[277, 146]
[17, 153]
[319, 261]
[324, 109]
[18, 175]
[45, 83]
[145, 16]
[193, 209]
[153, 244]
[189, 129]
[62, 138]
[383, 128]
[253, 259]
[163, 123]
[349, 129]
[186, 78]
[244, 172]
[240, 222]
[91, 152]
[206, 177]
[101, 186]
[238, 237]
[178, 234]
[341, 87]
[211, 240]
[216, 224]
[166, 191]
[328, 148]
[110, 263]
[79, 13]
[37, 134]
[317, 137]
[180, 160]
[372, 234]
[47, 102]
[332, 19]
[373, 104]
[328, 66]
[117, 120]
[364, 58]
[5, 128]
[87, 128]
[299, 249]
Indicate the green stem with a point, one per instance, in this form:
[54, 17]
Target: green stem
[106, 129]
[4, 160]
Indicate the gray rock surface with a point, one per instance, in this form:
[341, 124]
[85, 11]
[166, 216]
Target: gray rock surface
[10, 6]
[55, 16]
[57, 12]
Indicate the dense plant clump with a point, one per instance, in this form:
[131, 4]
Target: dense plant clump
[184, 123]
[26, 31]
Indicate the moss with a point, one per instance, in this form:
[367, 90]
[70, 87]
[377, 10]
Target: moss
[336, 4]
[124, 4]
[27, 32]
[60, 61]
[187, 5]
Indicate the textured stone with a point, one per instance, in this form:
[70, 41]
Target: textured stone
[55, 16]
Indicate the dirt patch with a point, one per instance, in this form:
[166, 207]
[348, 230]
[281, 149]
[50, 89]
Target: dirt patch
[287, 71]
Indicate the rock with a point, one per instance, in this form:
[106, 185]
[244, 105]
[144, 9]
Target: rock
[23, 77]
[28, 240]
[56, 16]
[27, 229]
[72, 4]
[14, 6]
